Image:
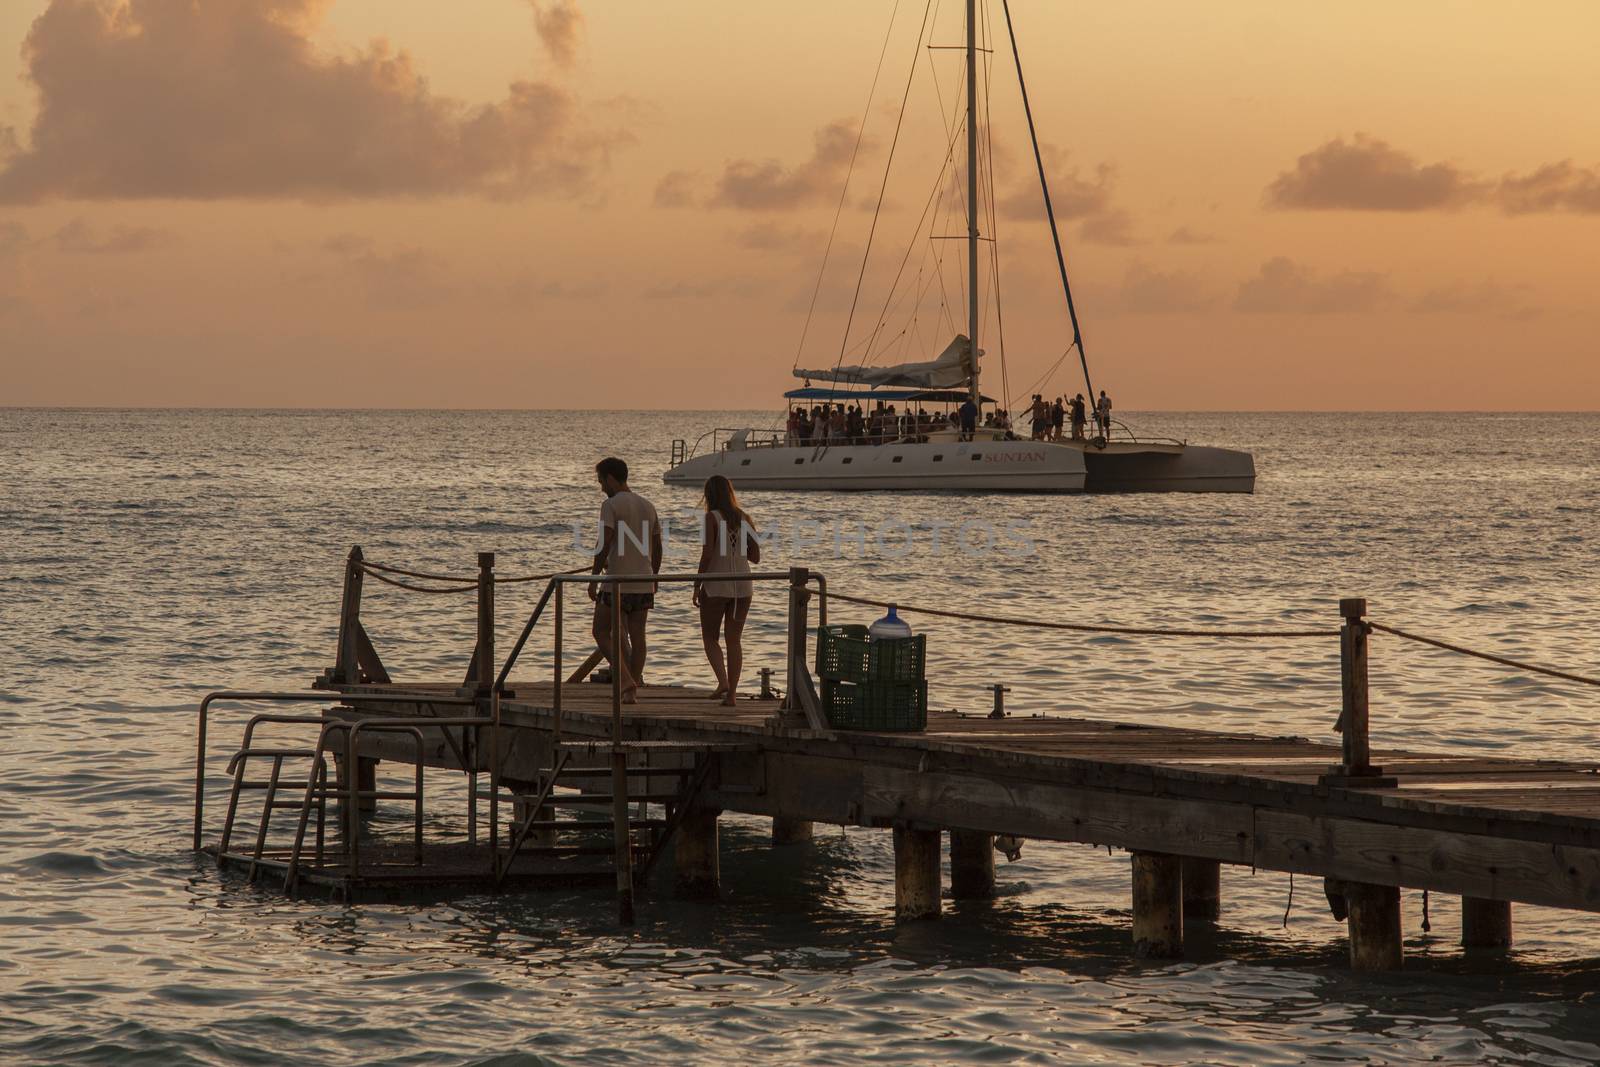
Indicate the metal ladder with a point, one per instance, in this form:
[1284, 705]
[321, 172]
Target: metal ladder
[647, 832]
[313, 800]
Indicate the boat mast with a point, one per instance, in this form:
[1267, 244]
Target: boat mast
[972, 192]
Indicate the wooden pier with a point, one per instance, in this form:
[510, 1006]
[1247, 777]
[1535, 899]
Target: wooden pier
[632, 778]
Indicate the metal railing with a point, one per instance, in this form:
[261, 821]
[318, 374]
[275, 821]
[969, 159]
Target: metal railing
[252, 696]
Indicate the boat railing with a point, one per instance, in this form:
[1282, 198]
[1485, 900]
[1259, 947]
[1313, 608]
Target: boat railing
[723, 439]
[1121, 432]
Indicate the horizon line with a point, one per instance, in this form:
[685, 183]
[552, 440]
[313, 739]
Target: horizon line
[714, 411]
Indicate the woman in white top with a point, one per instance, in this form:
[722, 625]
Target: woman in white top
[730, 547]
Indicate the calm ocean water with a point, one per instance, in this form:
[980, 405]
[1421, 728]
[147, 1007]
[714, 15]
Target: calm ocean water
[147, 557]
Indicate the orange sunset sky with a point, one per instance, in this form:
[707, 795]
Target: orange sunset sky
[624, 203]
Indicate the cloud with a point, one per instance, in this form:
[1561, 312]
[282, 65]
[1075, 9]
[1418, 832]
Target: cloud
[1368, 174]
[13, 239]
[1115, 227]
[1147, 291]
[79, 237]
[769, 185]
[770, 237]
[1072, 195]
[1559, 186]
[406, 278]
[704, 289]
[347, 244]
[1484, 298]
[233, 99]
[1286, 286]
[1183, 235]
[13, 236]
[676, 189]
[560, 27]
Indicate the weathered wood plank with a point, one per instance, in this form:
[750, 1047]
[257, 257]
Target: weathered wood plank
[1477, 865]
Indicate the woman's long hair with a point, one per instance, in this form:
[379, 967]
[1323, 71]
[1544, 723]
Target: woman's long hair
[720, 498]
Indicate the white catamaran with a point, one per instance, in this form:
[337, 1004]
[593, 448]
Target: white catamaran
[904, 452]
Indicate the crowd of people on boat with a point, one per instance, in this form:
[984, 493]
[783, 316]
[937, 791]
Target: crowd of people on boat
[850, 424]
[1049, 419]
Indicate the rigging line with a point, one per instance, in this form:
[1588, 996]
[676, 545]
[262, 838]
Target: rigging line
[838, 211]
[1049, 373]
[916, 230]
[1049, 208]
[994, 228]
[994, 214]
[952, 129]
[883, 186]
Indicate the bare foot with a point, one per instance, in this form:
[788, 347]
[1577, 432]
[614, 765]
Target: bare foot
[630, 695]
[728, 700]
[719, 692]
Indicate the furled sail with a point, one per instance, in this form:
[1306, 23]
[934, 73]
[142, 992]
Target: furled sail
[952, 370]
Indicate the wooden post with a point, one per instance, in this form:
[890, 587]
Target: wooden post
[916, 874]
[1157, 906]
[696, 856]
[1485, 924]
[971, 865]
[367, 779]
[1374, 926]
[346, 660]
[485, 655]
[802, 694]
[1202, 889]
[1357, 768]
[1353, 683]
[790, 831]
[622, 834]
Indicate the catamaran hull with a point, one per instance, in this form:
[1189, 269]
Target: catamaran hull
[1189, 469]
[980, 467]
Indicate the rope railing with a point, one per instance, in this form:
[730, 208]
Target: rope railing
[1083, 627]
[1504, 660]
[382, 572]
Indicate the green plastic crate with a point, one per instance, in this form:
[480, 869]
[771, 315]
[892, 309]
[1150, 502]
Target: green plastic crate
[845, 653]
[842, 653]
[881, 706]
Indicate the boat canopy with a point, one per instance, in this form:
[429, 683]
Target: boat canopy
[839, 393]
[952, 370]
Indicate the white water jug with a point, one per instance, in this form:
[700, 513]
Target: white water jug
[889, 627]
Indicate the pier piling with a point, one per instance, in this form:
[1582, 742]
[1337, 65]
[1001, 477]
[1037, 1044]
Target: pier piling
[1485, 924]
[916, 873]
[367, 782]
[971, 865]
[696, 856]
[1374, 926]
[1157, 905]
[1202, 890]
[789, 831]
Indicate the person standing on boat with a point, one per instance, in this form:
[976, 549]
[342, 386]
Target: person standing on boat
[1040, 416]
[1080, 417]
[729, 548]
[969, 419]
[1102, 410]
[1057, 417]
[630, 544]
